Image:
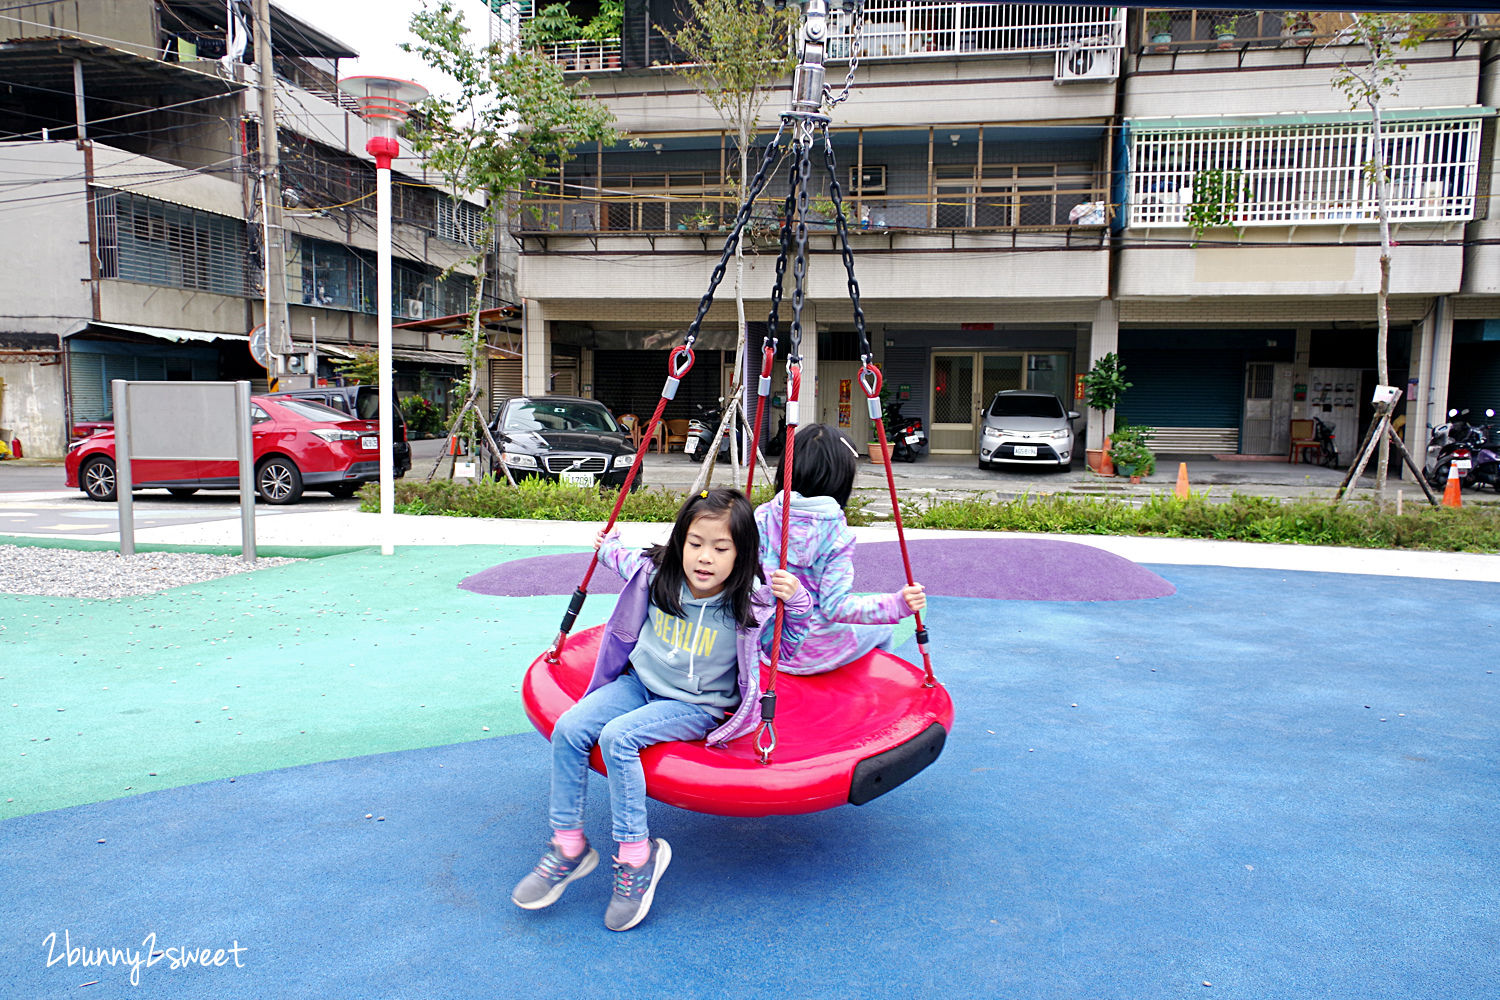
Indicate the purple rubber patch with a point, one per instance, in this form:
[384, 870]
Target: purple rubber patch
[1010, 569]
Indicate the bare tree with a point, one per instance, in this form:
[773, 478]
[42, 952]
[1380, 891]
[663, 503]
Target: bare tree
[1384, 39]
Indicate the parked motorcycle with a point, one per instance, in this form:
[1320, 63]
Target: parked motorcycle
[1484, 457]
[907, 435]
[703, 427]
[1452, 442]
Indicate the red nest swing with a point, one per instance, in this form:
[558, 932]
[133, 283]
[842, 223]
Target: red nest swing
[848, 735]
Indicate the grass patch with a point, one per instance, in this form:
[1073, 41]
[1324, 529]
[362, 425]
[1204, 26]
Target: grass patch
[1240, 518]
[541, 500]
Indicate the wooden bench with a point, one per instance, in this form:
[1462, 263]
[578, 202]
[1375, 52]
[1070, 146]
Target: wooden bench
[1194, 440]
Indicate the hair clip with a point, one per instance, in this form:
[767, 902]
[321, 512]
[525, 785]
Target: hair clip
[704, 494]
[845, 442]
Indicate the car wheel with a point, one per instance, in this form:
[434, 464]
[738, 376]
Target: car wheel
[278, 481]
[984, 465]
[183, 491]
[97, 479]
[344, 490]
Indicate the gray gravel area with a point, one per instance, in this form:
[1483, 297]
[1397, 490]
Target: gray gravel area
[44, 572]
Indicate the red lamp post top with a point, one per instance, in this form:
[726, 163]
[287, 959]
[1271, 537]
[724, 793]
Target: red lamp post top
[385, 102]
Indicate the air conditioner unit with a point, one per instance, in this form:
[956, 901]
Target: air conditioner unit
[1080, 61]
[414, 308]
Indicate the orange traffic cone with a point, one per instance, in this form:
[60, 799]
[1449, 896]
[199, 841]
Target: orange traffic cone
[1182, 481]
[1452, 492]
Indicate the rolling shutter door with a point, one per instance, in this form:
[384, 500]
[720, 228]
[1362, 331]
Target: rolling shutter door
[631, 382]
[1475, 381]
[1183, 388]
[505, 381]
[86, 386]
[906, 366]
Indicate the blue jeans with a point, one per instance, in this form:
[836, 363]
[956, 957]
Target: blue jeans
[623, 718]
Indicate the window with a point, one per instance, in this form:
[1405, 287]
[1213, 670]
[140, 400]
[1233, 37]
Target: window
[461, 224]
[1259, 378]
[158, 243]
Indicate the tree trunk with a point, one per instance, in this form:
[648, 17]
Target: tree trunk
[1382, 365]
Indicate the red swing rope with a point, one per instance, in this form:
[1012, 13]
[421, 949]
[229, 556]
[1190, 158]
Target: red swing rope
[765, 737]
[679, 363]
[870, 381]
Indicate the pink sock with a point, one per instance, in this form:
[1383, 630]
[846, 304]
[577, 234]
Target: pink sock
[570, 842]
[634, 852]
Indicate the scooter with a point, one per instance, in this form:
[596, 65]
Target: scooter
[1485, 454]
[703, 427]
[1449, 443]
[908, 438]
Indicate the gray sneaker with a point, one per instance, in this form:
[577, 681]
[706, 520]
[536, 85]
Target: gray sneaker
[551, 876]
[634, 888]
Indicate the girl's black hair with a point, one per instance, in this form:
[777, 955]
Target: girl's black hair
[739, 589]
[823, 464]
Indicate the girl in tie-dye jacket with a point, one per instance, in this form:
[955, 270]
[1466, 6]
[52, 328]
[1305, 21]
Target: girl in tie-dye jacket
[843, 625]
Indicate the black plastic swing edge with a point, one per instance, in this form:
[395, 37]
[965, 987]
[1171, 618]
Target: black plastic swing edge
[874, 776]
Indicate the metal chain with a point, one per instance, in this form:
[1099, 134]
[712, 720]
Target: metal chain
[789, 212]
[741, 218]
[836, 195]
[802, 142]
[856, 43]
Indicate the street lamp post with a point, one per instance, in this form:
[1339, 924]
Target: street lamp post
[384, 103]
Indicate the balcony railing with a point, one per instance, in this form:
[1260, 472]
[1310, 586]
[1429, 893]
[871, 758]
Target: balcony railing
[1169, 30]
[1295, 174]
[583, 54]
[1021, 208]
[906, 28]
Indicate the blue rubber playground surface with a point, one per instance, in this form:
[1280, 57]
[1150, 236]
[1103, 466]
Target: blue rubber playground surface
[1263, 784]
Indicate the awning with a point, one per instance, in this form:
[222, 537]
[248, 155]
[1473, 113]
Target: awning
[161, 332]
[334, 349]
[1308, 118]
[428, 357]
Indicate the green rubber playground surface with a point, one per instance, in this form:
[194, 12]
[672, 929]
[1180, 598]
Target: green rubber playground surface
[349, 654]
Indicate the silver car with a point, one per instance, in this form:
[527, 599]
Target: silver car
[1026, 428]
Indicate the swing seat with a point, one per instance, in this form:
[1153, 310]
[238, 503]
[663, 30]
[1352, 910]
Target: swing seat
[844, 736]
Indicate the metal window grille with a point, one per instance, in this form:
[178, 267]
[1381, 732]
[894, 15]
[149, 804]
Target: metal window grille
[905, 28]
[1295, 174]
[465, 225]
[339, 277]
[158, 243]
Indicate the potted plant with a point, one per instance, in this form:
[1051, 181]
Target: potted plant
[605, 28]
[552, 24]
[700, 220]
[1103, 386]
[823, 206]
[1133, 459]
[1225, 29]
[1159, 25]
[1299, 26]
[1129, 452]
[1216, 200]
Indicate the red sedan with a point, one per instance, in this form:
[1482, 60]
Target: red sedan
[298, 444]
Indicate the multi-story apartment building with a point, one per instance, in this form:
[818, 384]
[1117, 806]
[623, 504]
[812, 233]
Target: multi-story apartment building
[130, 195]
[1024, 180]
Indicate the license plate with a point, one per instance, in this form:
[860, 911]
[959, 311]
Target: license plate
[690, 446]
[1462, 464]
[913, 438]
[1026, 451]
[573, 478]
[369, 442]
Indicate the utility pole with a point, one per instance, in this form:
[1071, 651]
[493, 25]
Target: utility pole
[274, 236]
